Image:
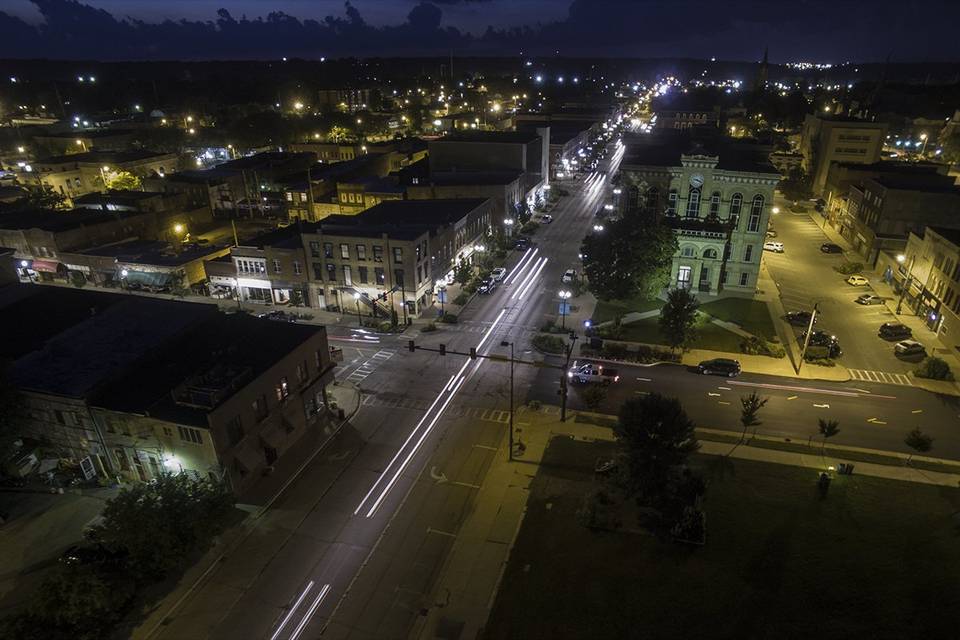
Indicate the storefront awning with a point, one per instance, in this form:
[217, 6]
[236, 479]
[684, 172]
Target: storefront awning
[50, 266]
[150, 278]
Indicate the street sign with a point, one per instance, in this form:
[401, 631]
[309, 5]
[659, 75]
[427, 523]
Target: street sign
[442, 296]
[564, 308]
[86, 466]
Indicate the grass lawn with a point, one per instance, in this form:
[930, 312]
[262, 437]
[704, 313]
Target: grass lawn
[709, 335]
[613, 309]
[875, 559]
[752, 315]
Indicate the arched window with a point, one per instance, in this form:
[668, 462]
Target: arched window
[687, 251]
[736, 204]
[693, 203]
[633, 198]
[756, 211]
[652, 199]
[672, 203]
[715, 204]
[710, 254]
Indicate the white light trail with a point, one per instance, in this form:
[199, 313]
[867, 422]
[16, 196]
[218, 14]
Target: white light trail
[536, 274]
[526, 279]
[293, 610]
[517, 270]
[313, 608]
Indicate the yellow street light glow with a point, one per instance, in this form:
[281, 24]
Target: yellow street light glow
[178, 228]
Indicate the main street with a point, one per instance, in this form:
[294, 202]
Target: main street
[354, 545]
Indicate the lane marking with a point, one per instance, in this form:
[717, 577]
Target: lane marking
[829, 392]
[725, 388]
[644, 380]
[713, 395]
[822, 406]
[917, 411]
[875, 421]
[441, 533]
[792, 397]
[722, 402]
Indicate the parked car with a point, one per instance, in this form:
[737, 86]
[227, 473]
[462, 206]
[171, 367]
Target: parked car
[487, 285]
[908, 348]
[719, 367]
[546, 218]
[822, 341]
[771, 233]
[498, 274]
[92, 554]
[590, 372]
[776, 247]
[857, 281]
[829, 247]
[894, 331]
[569, 275]
[800, 318]
[521, 243]
[869, 299]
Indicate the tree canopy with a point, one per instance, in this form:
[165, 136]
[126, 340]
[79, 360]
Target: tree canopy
[631, 256]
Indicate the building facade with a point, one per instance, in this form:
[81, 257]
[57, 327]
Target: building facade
[718, 201]
[825, 140]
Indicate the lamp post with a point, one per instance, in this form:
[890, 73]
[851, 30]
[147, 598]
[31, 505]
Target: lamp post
[907, 281]
[923, 149]
[356, 298]
[441, 293]
[103, 175]
[564, 296]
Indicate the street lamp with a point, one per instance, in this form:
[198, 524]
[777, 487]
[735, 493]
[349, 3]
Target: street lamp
[598, 227]
[564, 307]
[505, 343]
[103, 175]
[441, 293]
[923, 149]
[81, 144]
[356, 298]
[178, 228]
[907, 281]
[508, 223]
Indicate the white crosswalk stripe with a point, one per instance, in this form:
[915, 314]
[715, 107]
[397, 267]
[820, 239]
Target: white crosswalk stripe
[881, 377]
[360, 373]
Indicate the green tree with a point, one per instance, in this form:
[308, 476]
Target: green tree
[338, 134]
[828, 429]
[749, 409]
[41, 197]
[159, 524]
[122, 181]
[678, 318]
[796, 186]
[463, 272]
[77, 279]
[631, 256]
[654, 437]
[918, 441]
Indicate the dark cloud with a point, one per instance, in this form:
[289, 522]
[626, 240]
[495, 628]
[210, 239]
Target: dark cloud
[801, 29]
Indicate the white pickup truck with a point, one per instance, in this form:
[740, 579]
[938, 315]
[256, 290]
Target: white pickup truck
[590, 372]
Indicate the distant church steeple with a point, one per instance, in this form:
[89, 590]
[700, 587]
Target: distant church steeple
[762, 75]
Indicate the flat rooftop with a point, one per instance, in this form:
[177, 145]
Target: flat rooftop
[56, 221]
[666, 148]
[401, 219]
[502, 137]
[104, 345]
[103, 157]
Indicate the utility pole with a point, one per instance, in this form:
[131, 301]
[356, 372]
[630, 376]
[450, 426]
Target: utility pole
[504, 343]
[806, 340]
[563, 378]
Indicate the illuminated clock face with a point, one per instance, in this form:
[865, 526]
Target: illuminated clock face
[696, 180]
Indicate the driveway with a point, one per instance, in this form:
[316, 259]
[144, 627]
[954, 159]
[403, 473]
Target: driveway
[805, 276]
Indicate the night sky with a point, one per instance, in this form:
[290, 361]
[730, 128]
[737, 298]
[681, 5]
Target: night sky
[811, 30]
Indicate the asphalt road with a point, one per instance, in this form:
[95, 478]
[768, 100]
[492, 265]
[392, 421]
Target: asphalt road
[876, 416]
[352, 549]
[805, 276]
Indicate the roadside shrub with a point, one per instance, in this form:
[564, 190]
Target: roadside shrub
[593, 396]
[850, 268]
[448, 318]
[530, 228]
[549, 327]
[611, 331]
[534, 405]
[934, 368]
[548, 343]
[755, 346]
[429, 327]
[820, 362]
[385, 327]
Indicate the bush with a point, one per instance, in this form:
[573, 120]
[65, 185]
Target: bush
[385, 326]
[534, 405]
[850, 268]
[461, 299]
[612, 331]
[820, 362]
[755, 346]
[530, 228]
[934, 368]
[549, 327]
[593, 396]
[429, 327]
[549, 343]
[448, 318]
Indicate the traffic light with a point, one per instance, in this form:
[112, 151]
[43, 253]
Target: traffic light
[411, 346]
[473, 353]
[443, 349]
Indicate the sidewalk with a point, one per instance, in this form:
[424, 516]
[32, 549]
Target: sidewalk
[466, 589]
[920, 330]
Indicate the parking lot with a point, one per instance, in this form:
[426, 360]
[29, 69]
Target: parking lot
[804, 276]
